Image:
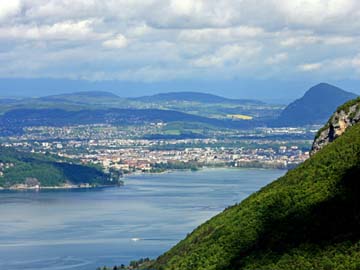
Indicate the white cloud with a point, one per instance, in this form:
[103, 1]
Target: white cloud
[207, 36]
[186, 7]
[310, 66]
[140, 30]
[151, 74]
[229, 54]
[338, 40]
[277, 58]
[356, 61]
[300, 38]
[343, 63]
[192, 14]
[299, 41]
[220, 34]
[316, 12]
[9, 8]
[118, 42]
[66, 30]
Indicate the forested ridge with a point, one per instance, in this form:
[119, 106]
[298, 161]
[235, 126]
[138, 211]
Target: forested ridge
[18, 167]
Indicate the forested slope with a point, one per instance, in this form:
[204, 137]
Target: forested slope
[307, 219]
[18, 167]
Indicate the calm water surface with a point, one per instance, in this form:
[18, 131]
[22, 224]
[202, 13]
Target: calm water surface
[78, 230]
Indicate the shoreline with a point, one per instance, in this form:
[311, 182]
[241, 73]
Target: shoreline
[70, 187]
[22, 187]
[137, 173]
[129, 175]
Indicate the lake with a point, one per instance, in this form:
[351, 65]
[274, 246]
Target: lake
[84, 229]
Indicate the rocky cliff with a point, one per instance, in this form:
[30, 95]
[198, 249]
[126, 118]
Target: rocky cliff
[346, 116]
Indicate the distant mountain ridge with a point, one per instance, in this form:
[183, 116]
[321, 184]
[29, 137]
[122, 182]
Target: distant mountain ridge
[315, 107]
[161, 97]
[317, 104]
[93, 94]
[193, 97]
[102, 99]
[16, 119]
[190, 106]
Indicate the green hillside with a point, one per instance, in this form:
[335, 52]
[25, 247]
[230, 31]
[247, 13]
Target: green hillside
[307, 219]
[19, 167]
[200, 104]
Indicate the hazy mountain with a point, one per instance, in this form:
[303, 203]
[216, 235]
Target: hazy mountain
[7, 100]
[16, 119]
[194, 97]
[84, 94]
[200, 104]
[91, 98]
[239, 88]
[315, 107]
[307, 219]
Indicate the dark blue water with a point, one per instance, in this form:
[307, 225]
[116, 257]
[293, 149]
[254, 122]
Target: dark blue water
[78, 230]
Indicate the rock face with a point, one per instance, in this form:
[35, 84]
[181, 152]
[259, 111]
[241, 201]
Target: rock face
[346, 116]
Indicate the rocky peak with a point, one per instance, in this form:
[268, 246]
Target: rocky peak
[346, 116]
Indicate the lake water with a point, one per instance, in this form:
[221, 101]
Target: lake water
[84, 229]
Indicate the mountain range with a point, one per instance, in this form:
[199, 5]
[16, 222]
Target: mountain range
[194, 97]
[105, 107]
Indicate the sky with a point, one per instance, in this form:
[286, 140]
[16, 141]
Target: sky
[242, 48]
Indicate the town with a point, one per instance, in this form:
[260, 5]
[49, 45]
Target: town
[125, 149]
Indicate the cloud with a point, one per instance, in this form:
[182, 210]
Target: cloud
[196, 14]
[342, 64]
[340, 68]
[277, 58]
[186, 7]
[66, 30]
[338, 40]
[220, 34]
[310, 66]
[317, 12]
[299, 39]
[229, 54]
[118, 42]
[151, 74]
[9, 8]
[356, 62]
[139, 30]
[185, 38]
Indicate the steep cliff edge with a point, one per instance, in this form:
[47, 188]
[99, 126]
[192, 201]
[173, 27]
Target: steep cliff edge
[345, 116]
